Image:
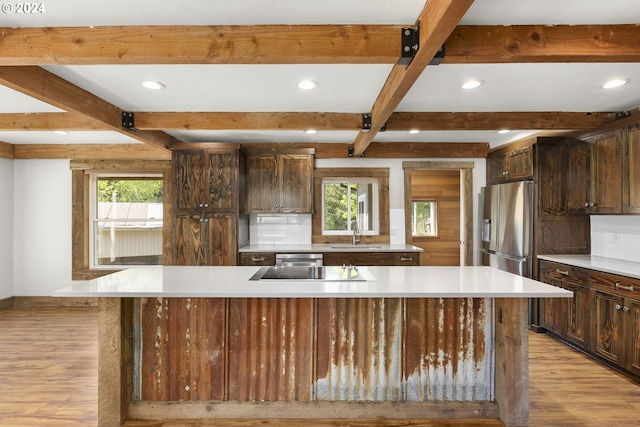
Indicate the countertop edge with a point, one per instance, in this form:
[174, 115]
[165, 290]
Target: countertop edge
[317, 248]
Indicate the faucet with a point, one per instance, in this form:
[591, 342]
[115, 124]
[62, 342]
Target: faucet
[356, 233]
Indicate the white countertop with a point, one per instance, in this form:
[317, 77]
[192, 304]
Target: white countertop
[592, 262]
[334, 247]
[389, 282]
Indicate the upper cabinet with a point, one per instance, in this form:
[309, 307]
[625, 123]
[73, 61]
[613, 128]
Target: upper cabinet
[595, 174]
[280, 183]
[631, 171]
[512, 165]
[206, 179]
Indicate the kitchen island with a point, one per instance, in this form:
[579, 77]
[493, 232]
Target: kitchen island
[408, 342]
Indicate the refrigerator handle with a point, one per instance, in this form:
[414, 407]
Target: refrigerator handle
[486, 230]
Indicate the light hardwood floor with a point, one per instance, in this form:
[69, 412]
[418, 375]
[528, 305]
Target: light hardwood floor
[48, 377]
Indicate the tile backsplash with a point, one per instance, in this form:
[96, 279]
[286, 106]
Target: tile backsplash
[280, 229]
[616, 236]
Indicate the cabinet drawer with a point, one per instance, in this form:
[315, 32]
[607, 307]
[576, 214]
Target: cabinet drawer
[359, 258]
[564, 272]
[616, 285]
[406, 258]
[258, 259]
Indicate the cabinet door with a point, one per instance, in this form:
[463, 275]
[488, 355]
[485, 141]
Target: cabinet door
[553, 318]
[296, 177]
[606, 338]
[519, 163]
[263, 184]
[577, 313]
[496, 168]
[221, 175]
[190, 241]
[188, 169]
[552, 178]
[222, 239]
[606, 175]
[579, 177]
[631, 313]
[631, 172]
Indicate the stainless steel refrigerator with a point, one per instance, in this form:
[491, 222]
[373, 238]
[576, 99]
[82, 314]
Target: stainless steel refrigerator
[507, 227]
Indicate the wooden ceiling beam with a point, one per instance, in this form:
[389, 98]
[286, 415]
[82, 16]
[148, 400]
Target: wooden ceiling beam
[6, 150]
[436, 22]
[90, 151]
[230, 44]
[476, 44]
[311, 44]
[49, 121]
[47, 87]
[399, 121]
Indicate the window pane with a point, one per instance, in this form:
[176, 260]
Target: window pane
[127, 224]
[424, 218]
[336, 208]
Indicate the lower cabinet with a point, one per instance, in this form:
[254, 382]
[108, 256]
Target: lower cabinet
[372, 258]
[602, 318]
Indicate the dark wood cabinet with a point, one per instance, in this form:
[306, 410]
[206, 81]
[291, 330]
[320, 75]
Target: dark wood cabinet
[280, 183]
[372, 258]
[602, 318]
[513, 165]
[208, 189]
[568, 318]
[595, 174]
[631, 171]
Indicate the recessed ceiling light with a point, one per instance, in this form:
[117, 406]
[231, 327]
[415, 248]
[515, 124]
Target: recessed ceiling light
[472, 84]
[310, 131]
[308, 84]
[615, 83]
[61, 132]
[503, 131]
[413, 131]
[153, 85]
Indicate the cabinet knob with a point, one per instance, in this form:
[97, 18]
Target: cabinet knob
[591, 204]
[625, 309]
[206, 205]
[200, 205]
[564, 273]
[618, 306]
[586, 205]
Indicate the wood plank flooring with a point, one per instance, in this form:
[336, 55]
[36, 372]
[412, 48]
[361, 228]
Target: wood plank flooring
[48, 377]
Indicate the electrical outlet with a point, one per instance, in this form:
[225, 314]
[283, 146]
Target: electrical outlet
[614, 237]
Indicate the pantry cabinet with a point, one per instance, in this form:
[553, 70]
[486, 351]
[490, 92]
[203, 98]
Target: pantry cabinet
[280, 183]
[208, 188]
[631, 172]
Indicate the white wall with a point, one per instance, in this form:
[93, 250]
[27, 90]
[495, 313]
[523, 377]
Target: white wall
[6, 228]
[42, 226]
[616, 236]
[396, 189]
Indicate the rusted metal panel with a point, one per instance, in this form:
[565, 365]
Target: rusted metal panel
[448, 349]
[270, 349]
[358, 349]
[183, 348]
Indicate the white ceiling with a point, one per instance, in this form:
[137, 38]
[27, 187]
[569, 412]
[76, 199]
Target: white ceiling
[567, 87]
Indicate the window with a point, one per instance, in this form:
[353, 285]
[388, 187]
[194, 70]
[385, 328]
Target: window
[125, 219]
[424, 218]
[346, 202]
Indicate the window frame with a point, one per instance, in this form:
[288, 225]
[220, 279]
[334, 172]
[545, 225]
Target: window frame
[354, 174]
[376, 214]
[93, 206]
[80, 170]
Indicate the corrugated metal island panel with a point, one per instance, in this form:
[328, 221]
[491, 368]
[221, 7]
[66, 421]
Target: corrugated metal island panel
[270, 349]
[358, 349]
[183, 348]
[448, 350]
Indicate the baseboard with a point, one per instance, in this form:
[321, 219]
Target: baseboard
[25, 301]
[7, 303]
